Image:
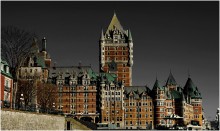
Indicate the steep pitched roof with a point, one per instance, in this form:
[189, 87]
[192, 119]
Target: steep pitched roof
[108, 77]
[157, 85]
[34, 47]
[176, 94]
[40, 61]
[136, 90]
[70, 71]
[191, 90]
[115, 23]
[171, 80]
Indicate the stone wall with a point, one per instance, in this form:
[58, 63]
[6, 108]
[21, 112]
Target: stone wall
[17, 120]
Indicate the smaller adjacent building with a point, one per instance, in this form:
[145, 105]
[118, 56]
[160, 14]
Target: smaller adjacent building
[35, 66]
[6, 85]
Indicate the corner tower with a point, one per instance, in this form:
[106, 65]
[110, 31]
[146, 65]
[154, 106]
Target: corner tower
[116, 51]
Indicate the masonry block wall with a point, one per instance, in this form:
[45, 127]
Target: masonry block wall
[12, 120]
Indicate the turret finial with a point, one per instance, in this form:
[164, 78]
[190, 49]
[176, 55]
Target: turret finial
[44, 44]
[129, 35]
[188, 73]
[102, 35]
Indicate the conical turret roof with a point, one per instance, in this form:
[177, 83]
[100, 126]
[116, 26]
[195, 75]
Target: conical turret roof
[191, 90]
[157, 85]
[171, 80]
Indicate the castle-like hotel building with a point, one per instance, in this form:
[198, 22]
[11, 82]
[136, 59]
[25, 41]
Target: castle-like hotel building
[109, 96]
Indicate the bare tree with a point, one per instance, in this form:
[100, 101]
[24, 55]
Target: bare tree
[46, 96]
[26, 93]
[15, 47]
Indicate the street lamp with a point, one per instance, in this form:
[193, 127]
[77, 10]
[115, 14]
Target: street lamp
[21, 99]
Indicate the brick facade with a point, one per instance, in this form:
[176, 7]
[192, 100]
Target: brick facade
[6, 85]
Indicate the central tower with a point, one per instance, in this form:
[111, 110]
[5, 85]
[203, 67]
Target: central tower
[116, 51]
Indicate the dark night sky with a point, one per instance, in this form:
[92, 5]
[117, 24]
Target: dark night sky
[167, 35]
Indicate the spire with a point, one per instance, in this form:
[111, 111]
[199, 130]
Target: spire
[114, 24]
[188, 73]
[102, 36]
[129, 35]
[44, 44]
[34, 46]
[171, 80]
[191, 90]
[157, 85]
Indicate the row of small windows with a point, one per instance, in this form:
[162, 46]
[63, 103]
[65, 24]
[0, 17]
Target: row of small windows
[113, 99]
[138, 110]
[138, 115]
[116, 53]
[114, 48]
[140, 122]
[140, 104]
[116, 59]
[117, 119]
[113, 93]
[75, 100]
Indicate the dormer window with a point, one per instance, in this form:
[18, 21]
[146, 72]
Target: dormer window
[115, 39]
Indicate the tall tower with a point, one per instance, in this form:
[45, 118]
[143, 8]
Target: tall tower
[116, 51]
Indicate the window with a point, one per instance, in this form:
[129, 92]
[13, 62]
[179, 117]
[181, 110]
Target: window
[146, 115]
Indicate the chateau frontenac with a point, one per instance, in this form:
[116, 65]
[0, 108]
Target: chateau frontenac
[108, 96]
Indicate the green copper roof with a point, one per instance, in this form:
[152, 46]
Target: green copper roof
[110, 77]
[3, 71]
[157, 85]
[176, 94]
[92, 74]
[40, 61]
[114, 23]
[191, 90]
[171, 80]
